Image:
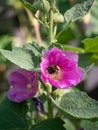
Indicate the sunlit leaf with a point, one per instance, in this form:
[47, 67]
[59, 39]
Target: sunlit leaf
[95, 58]
[72, 48]
[91, 45]
[27, 57]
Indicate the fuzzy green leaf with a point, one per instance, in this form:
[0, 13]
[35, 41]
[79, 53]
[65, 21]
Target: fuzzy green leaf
[78, 11]
[89, 125]
[27, 57]
[77, 104]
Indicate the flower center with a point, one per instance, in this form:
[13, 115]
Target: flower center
[53, 69]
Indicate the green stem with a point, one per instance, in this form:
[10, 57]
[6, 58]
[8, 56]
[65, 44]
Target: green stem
[50, 108]
[50, 105]
[51, 36]
[51, 26]
[41, 22]
[48, 89]
[55, 30]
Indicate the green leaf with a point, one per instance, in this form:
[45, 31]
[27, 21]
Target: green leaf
[77, 104]
[88, 125]
[93, 30]
[19, 57]
[95, 58]
[29, 6]
[78, 11]
[13, 116]
[69, 125]
[72, 48]
[27, 57]
[85, 61]
[49, 124]
[5, 41]
[65, 36]
[63, 5]
[91, 45]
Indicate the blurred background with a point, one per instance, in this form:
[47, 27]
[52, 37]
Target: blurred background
[18, 27]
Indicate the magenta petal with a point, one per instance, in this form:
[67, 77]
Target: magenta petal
[69, 79]
[71, 55]
[18, 95]
[52, 54]
[24, 85]
[73, 76]
[60, 68]
[43, 78]
[16, 78]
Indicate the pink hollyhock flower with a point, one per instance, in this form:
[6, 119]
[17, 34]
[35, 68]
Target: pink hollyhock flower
[60, 68]
[24, 85]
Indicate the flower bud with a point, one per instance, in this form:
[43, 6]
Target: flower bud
[57, 16]
[46, 5]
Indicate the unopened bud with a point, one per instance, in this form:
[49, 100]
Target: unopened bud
[58, 17]
[46, 5]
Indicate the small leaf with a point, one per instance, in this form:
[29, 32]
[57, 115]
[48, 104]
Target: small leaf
[27, 57]
[29, 6]
[78, 11]
[91, 45]
[13, 115]
[77, 104]
[72, 48]
[89, 125]
[49, 124]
